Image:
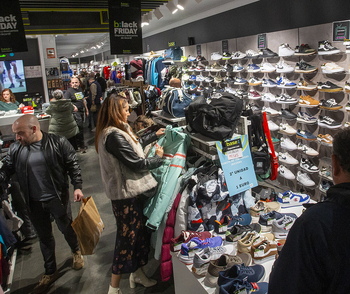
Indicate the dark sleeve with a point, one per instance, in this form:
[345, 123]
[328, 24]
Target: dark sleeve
[71, 163]
[7, 169]
[118, 146]
[67, 95]
[148, 139]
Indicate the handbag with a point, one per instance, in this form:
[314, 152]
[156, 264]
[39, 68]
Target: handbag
[174, 101]
[93, 108]
[88, 226]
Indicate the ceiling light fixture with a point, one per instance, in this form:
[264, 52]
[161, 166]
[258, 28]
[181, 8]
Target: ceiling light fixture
[145, 21]
[172, 8]
[149, 16]
[181, 4]
[82, 51]
[158, 14]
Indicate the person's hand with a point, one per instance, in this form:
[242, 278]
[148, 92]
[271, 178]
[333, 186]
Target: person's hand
[87, 113]
[159, 151]
[75, 109]
[160, 132]
[78, 195]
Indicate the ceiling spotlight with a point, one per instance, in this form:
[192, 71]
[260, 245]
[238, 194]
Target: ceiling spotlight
[145, 21]
[149, 16]
[98, 46]
[171, 6]
[157, 14]
[181, 4]
[82, 51]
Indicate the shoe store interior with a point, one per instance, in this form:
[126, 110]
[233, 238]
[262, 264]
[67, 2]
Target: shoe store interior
[174, 146]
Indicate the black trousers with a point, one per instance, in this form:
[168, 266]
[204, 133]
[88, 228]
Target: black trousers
[95, 114]
[40, 212]
[79, 118]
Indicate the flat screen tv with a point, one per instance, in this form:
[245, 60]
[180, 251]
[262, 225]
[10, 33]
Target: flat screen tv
[12, 76]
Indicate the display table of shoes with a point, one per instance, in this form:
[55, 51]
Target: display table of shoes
[163, 118]
[186, 281]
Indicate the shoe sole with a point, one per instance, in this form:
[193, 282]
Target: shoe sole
[266, 100]
[328, 52]
[305, 71]
[286, 87]
[269, 86]
[286, 102]
[267, 71]
[329, 127]
[253, 70]
[289, 134]
[325, 143]
[284, 71]
[333, 71]
[331, 108]
[304, 54]
[254, 84]
[308, 89]
[331, 90]
[306, 122]
[308, 105]
[307, 139]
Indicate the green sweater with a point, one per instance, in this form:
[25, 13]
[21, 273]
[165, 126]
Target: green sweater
[8, 106]
[62, 120]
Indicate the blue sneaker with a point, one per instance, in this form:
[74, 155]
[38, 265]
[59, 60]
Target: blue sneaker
[237, 68]
[290, 199]
[265, 220]
[243, 220]
[254, 274]
[193, 87]
[240, 81]
[283, 82]
[253, 68]
[186, 86]
[243, 286]
[192, 78]
[306, 135]
[268, 83]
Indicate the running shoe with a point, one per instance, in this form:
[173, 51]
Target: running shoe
[326, 48]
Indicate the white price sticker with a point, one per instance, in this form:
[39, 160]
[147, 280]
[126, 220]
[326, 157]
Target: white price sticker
[234, 154]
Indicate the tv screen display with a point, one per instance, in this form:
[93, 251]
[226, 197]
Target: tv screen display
[12, 76]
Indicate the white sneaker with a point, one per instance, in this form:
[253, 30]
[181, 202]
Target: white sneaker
[282, 226]
[331, 67]
[307, 150]
[287, 158]
[285, 50]
[286, 143]
[238, 55]
[253, 81]
[304, 179]
[283, 67]
[272, 126]
[216, 56]
[270, 111]
[251, 54]
[268, 97]
[267, 67]
[287, 129]
[230, 90]
[308, 165]
[286, 173]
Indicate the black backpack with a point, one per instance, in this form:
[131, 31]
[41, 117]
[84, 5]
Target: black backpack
[216, 120]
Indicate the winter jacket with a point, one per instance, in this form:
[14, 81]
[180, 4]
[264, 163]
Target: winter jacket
[62, 121]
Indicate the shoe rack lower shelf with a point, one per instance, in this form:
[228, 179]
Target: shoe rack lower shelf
[187, 282]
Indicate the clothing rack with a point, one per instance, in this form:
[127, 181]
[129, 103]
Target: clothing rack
[135, 84]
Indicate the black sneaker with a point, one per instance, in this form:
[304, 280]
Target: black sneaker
[17, 77]
[329, 104]
[241, 94]
[308, 165]
[267, 53]
[12, 85]
[200, 58]
[227, 68]
[303, 50]
[328, 87]
[287, 114]
[255, 108]
[226, 56]
[326, 48]
[327, 122]
[229, 80]
[303, 67]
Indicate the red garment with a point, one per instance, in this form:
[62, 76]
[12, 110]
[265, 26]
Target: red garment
[107, 72]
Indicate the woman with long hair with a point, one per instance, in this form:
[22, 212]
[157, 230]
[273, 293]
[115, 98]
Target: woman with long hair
[126, 177]
[8, 101]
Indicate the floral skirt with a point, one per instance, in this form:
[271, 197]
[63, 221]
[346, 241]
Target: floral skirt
[133, 239]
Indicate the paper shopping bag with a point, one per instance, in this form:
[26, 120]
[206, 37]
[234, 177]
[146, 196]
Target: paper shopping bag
[88, 226]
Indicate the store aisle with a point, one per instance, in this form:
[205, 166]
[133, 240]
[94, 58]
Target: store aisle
[94, 278]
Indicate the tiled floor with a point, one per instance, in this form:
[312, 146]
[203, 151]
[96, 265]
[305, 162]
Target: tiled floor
[94, 278]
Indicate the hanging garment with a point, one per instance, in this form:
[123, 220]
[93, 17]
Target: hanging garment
[175, 143]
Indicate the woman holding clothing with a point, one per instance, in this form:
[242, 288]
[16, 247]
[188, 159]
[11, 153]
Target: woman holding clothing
[126, 177]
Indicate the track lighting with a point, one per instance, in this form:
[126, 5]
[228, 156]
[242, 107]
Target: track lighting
[181, 4]
[149, 16]
[158, 14]
[172, 8]
[145, 21]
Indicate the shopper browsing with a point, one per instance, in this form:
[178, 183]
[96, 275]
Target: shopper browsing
[315, 256]
[125, 175]
[94, 99]
[8, 101]
[42, 163]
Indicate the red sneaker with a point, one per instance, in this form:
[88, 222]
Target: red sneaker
[186, 236]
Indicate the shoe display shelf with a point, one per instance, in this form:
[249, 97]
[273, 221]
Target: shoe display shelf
[162, 118]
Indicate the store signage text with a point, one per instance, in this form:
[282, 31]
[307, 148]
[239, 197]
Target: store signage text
[125, 28]
[8, 22]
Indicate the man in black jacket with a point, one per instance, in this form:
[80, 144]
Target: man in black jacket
[95, 98]
[316, 254]
[42, 163]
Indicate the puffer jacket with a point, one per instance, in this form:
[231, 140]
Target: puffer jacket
[60, 158]
[62, 121]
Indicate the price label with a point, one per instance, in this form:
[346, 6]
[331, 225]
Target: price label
[234, 154]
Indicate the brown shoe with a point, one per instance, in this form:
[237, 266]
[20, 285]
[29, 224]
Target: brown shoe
[45, 283]
[78, 260]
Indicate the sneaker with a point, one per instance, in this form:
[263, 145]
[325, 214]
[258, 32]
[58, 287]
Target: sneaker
[185, 77]
[290, 199]
[281, 227]
[287, 114]
[255, 108]
[328, 87]
[288, 144]
[192, 78]
[216, 67]
[327, 122]
[227, 68]
[286, 173]
[308, 102]
[253, 238]
[238, 55]
[217, 79]
[12, 85]
[253, 68]
[200, 89]
[226, 55]
[230, 90]
[192, 68]
[183, 58]
[326, 172]
[307, 150]
[186, 86]
[330, 104]
[325, 139]
[184, 68]
[241, 94]
[286, 158]
[306, 135]
[216, 56]
[238, 232]
[268, 97]
[331, 67]
[200, 58]
[285, 50]
[191, 58]
[307, 85]
[243, 286]
[200, 78]
[253, 81]
[272, 126]
[186, 236]
[78, 260]
[282, 67]
[347, 44]
[306, 118]
[324, 186]
[304, 179]
[303, 67]
[267, 67]
[265, 220]
[200, 68]
[285, 99]
[209, 79]
[326, 48]
[237, 67]
[347, 87]
[224, 262]
[264, 251]
[304, 50]
[193, 87]
[347, 124]
[268, 83]
[202, 259]
[228, 80]
[254, 95]
[308, 165]
[45, 282]
[347, 107]
[275, 140]
[267, 53]
[283, 82]
[270, 111]
[240, 81]
[243, 220]
[263, 207]
[251, 54]
[287, 129]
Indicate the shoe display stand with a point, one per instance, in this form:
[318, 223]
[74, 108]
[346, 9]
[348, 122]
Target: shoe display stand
[162, 118]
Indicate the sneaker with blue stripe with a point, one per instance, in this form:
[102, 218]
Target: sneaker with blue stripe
[240, 81]
[291, 199]
[253, 68]
[268, 83]
[244, 287]
[265, 220]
